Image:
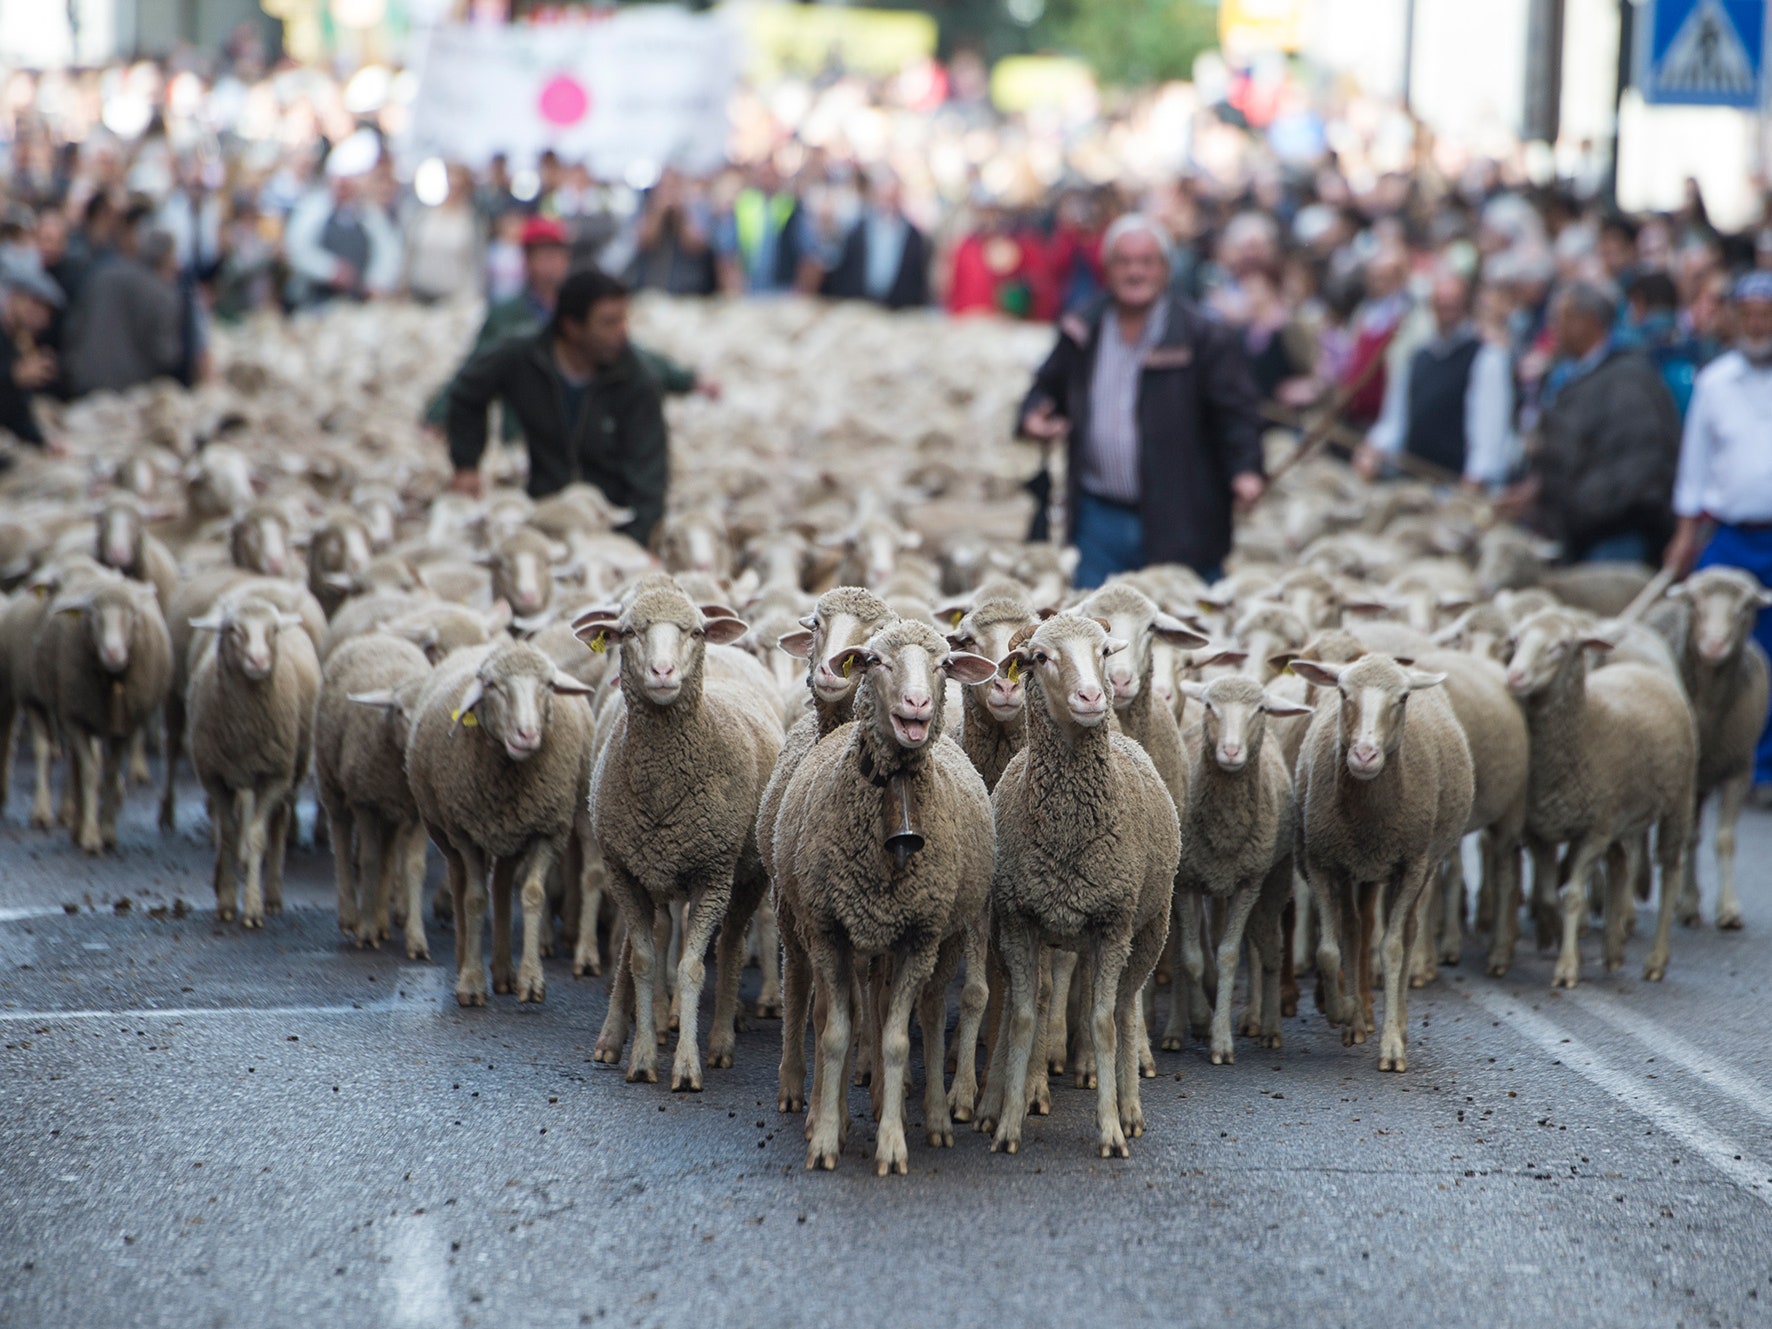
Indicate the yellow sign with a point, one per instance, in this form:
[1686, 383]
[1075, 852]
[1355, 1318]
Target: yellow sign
[1024, 82]
[1251, 26]
[803, 38]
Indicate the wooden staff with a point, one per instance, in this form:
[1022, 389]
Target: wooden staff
[1318, 433]
[1349, 438]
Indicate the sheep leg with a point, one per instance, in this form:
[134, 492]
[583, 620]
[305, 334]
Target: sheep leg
[254, 810]
[138, 758]
[1452, 908]
[1578, 866]
[1006, 1092]
[8, 737]
[796, 983]
[768, 961]
[42, 815]
[1147, 946]
[1110, 956]
[994, 1019]
[707, 907]
[374, 855]
[226, 832]
[832, 970]
[1486, 903]
[1175, 1027]
[503, 875]
[962, 1099]
[1290, 929]
[586, 958]
[620, 1015]
[536, 864]
[1545, 908]
[1424, 965]
[1674, 848]
[748, 891]
[1399, 941]
[1505, 897]
[1147, 1061]
[1064, 969]
[280, 824]
[1731, 794]
[910, 973]
[1230, 947]
[878, 987]
[470, 918]
[339, 816]
[389, 878]
[1621, 865]
[1370, 924]
[116, 757]
[175, 742]
[1349, 921]
[932, 1017]
[863, 1062]
[411, 850]
[1187, 987]
[1039, 1077]
[85, 777]
[641, 960]
[1267, 960]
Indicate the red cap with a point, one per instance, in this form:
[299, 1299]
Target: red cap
[543, 231]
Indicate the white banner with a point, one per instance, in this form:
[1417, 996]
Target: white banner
[645, 88]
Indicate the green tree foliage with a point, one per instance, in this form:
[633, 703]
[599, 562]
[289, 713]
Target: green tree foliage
[1133, 42]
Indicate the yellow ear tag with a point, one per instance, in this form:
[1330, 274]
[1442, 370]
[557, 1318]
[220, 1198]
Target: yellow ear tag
[848, 664]
[600, 642]
[1014, 674]
[956, 616]
[1288, 669]
[466, 718]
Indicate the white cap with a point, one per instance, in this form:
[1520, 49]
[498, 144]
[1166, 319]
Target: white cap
[356, 155]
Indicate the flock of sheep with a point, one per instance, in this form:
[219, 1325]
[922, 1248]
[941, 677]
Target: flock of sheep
[840, 717]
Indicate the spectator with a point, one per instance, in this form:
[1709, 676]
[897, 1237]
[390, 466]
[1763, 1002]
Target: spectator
[764, 245]
[129, 326]
[1608, 444]
[1725, 477]
[1652, 322]
[1375, 325]
[1618, 249]
[673, 244]
[29, 299]
[1169, 434]
[1453, 403]
[997, 268]
[588, 407]
[339, 243]
[443, 244]
[884, 257]
[244, 278]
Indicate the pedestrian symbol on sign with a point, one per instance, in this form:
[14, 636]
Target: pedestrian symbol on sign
[1703, 52]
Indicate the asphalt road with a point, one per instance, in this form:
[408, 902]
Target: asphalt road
[204, 1127]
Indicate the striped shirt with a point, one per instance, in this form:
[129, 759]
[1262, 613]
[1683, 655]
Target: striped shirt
[1110, 453]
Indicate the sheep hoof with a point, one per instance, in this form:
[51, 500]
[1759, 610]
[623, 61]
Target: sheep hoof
[583, 970]
[768, 1008]
[1452, 956]
[1613, 963]
[417, 951]
[1223, 1057]
[941, 1139]
[252, 922]
[1084, 1080]
[1497, 969]
[1728, 922]
[535, 990]
[1270, 1040]
[1147, 1066]
[1002, 1146]
[720, 1059]
[789, 1103]
[1055, 1066]
[1397, 1063]
[1132, 1123]
[1654, 972]
[358, 941]
[502, 985]
[985, 1126]
[469, 998]
[609, 1054]
[41, 821]
[1566, 978]
[824, 1157]
[1040, 1102]
[1289, 1006]
[1690, 918]
[684, 1082]
[959, 1111]
[637, 1074]
[1115, 1148]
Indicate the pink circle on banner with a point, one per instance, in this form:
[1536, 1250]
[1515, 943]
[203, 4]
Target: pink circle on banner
[563, 100]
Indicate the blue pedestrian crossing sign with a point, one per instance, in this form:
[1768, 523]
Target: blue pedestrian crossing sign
[1702, 52]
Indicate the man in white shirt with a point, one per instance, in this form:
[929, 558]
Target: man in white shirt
[1724, 489]
[1453, 406]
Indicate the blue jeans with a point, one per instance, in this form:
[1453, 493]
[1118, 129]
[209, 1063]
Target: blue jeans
[1751, 551]
[1630, 547]
[1109, 538]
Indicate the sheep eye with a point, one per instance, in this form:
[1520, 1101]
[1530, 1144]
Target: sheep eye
[1040, 657]
[699, 632]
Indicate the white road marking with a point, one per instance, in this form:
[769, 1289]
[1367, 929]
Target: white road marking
[26, 913]
[1750, 1094]
[419, 1275]
[191, 1012]
[1751, 1174]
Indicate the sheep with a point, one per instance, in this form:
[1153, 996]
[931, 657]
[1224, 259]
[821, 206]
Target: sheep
[1614, 753]
[694, 542]
[1510, 559]
[1088, 844]
[855, 898]
[1482, 630]
[1709, 624]
[1384, 791]
[843, 616]
[105, 662]
[259, 541]
[339, 550]
[1236, 847]
[123, 543]
[522, 572]
[674, 807]
[368, 695]
[252, 713]
[440, 629]
[497, 760]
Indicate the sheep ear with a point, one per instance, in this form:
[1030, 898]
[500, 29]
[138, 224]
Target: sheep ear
[596, 623]
[214, 621]
[965, 667]
[530, 624]
[1281, 661]
[1227, 656]
[1282, 706]
[1047, 611]
[951, 613]
[809, 622]
[714, 609]
[1764, 598]
[287, 620]
[470, 698]
[797, 644]
[568, 686]
[1014, 665]
[845, 660]
[1367, 606]
[910, 540]
[1315, 671]
[1114, 645]
[1177, 633]
[498, 618]
[339, 581]
[1068, 558]
[382, 698]
[1454, 602]
[725, 629]
[1418, 679]
[1599, 644]
[1195, 690]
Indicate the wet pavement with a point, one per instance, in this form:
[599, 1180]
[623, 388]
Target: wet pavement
[204, 1127]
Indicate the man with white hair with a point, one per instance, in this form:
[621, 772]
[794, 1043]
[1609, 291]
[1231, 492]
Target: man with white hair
[1723, 496]
[1161, 413]
[339, 243]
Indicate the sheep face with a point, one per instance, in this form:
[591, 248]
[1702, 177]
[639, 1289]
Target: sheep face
[511, 697]
[664, 639]
[1374, 692]
[1133, 617]
[109, 613]
[1724, 603]
[522, 573]
[695, 542]
[1483, 631]
[1069, 655]
[1046, 572]
[380, 514]
[846, 616]
[990, 630]
[218, 482]
[119, 535]
[1310, 595]
[1233, 722]
[247, 635]
[906, 667]
[259, 542]
[1544, 646]
[342, 546]
[1265, 631]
